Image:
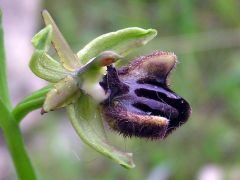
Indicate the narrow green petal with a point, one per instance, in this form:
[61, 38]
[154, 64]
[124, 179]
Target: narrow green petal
[67, 57]
[86, 120]
[42, 40]
[46, 67]
[122, 42]
[63, 93]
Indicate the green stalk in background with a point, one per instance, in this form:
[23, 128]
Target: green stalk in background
[4, 95]
[10, 127]
[15, 144]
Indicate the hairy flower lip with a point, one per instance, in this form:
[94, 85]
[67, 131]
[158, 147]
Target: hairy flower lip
[140, 97]
[125, 122]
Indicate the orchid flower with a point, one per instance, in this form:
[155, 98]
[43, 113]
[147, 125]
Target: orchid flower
[74, 79]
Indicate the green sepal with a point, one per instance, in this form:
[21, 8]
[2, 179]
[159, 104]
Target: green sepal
[122, 42]
[45, 67]
[69, 60]
[63, 93]
[86, 119]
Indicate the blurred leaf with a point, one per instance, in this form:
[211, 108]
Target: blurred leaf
[228, 11]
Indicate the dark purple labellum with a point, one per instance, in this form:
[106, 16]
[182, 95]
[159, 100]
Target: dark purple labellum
[140, 102]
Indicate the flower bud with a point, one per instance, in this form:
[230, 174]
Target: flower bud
[140, 102]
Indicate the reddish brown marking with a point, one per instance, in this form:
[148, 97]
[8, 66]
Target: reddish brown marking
[107, 61]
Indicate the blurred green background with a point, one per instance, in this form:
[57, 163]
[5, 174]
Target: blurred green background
[205, 35]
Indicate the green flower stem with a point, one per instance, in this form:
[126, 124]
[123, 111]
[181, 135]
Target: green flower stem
[15, 144]
[37, 94]
[30, 103]
[23, 109]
